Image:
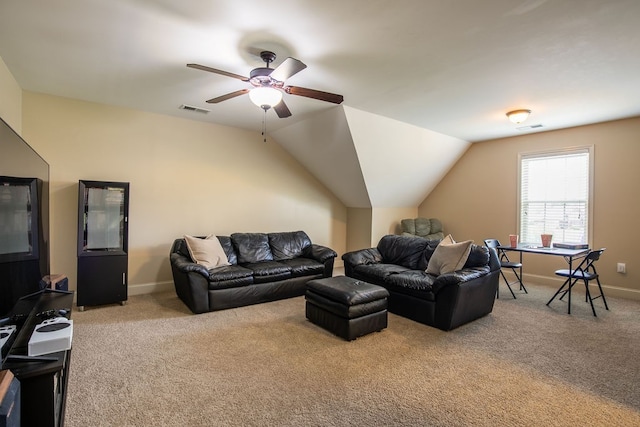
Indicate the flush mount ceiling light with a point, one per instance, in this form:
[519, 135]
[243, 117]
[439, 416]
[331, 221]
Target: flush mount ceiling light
[265, 97]
[518, 116]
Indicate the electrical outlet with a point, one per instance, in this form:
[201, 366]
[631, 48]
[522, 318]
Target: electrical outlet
[622, 267]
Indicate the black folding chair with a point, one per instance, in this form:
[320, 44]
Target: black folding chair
[586, 272]
[508, 264]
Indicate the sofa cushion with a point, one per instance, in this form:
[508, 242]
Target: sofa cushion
[449, 258]
[303, 267]
[288, 245]
[416, 283]
[207, 252]
[402, 250]
[376, 273]
[251, 247]
[268, 271]
[230, 276]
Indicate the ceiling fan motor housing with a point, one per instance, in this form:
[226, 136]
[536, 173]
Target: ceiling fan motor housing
[261, 77]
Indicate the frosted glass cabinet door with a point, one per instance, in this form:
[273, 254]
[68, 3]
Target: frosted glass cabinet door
[102, 217]
[103, 228]
[105, 219]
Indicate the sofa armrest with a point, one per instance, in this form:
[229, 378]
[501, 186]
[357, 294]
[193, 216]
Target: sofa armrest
[362, 257]
[467, 300]
[191, 281]
[319, 253]
[459, 277]
[185, 265]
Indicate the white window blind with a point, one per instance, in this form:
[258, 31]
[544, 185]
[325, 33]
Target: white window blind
[554, 196]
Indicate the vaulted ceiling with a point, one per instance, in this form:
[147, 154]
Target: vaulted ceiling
[453, 68]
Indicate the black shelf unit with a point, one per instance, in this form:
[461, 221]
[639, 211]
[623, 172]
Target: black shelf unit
[103, 234]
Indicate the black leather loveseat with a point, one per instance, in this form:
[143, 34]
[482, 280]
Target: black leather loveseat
[445, 301]
[262, 267]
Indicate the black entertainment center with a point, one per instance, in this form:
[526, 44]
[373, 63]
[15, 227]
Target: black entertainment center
[43, 379]
[32, 388]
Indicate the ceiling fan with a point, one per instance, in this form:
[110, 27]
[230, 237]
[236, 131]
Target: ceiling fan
[268, 85]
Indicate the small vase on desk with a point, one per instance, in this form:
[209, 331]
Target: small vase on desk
[546, 240]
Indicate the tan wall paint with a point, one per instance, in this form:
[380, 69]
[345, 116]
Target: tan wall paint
[387, 221]
[477, 198]
[366, 226]
[10, 99]
[358, 228]
[186, 177]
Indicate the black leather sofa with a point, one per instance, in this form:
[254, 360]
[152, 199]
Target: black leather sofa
[263, 267]
[446, 301]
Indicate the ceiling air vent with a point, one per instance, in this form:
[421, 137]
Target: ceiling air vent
[194, 109]
[529, 127]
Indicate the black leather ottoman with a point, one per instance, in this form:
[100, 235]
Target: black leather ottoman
[346, 307]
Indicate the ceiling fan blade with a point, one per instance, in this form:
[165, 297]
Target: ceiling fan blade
[282, 110]
[315, 94]
[216, 71]
[227, 96]
[288, 68]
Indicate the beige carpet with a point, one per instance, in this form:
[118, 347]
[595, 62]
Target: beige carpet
[152, 363]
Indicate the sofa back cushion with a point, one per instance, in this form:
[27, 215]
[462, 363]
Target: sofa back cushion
[251, 247]
[225, 241]
[406, 251]
[288, 245]
[478, 257]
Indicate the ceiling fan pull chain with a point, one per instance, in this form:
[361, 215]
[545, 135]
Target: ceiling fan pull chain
[264, 124]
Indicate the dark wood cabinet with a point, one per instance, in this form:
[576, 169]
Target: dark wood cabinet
[103, 233]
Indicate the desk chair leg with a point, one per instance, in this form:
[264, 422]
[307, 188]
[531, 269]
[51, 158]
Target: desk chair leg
[522, 288]
[508, 286]
[588, 296]
[604, 300]
[561, 290]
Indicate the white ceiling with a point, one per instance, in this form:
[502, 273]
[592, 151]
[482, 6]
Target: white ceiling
[451, 66]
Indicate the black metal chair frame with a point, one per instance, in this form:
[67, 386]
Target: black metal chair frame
[586, 272]
[516, 267]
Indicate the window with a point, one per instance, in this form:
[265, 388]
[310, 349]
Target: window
[555, 195]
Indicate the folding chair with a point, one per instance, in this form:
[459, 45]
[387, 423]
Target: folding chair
[586, 272]
[516, 267]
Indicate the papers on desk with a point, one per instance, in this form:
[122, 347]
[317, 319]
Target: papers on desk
[571, 245]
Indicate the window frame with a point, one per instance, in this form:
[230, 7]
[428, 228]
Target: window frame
[590, 149]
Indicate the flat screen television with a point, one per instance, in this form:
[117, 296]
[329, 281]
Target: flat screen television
[24, 218]
[19, 218]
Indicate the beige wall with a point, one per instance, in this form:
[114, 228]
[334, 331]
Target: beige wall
[186, 177]
[477, 199]
[359, 228]
[387, 221]
[10, 99]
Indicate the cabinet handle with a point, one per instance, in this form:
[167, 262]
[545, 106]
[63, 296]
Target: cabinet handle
[124, 281]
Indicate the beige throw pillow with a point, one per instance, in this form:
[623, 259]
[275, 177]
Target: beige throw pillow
[207, 252]
[448, 258]
[447, 240]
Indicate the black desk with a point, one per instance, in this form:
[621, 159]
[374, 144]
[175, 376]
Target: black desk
[568, 254]
[43, 379]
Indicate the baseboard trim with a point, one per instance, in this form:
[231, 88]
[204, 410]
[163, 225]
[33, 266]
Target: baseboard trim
[556, 282]
[150, 288]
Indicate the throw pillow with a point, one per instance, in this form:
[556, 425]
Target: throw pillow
[207, 252]
[448, 240]
[448, 258]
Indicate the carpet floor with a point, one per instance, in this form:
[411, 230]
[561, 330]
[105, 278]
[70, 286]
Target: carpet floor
[153, 363]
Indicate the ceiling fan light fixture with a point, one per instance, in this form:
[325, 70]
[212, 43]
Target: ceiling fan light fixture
[265, 97]
[518, 116]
